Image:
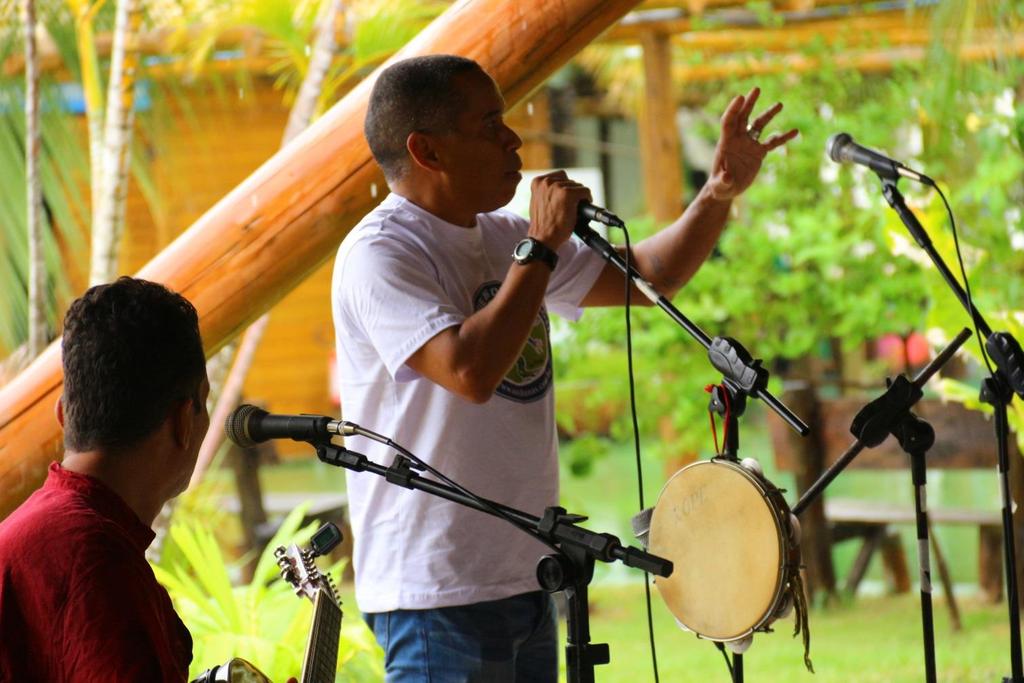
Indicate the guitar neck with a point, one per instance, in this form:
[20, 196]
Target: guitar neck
[320, 662]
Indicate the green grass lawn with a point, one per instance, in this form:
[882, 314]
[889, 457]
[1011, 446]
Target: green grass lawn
[866, 640]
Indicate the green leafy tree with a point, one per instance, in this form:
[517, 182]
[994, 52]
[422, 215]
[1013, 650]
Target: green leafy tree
[814, 259]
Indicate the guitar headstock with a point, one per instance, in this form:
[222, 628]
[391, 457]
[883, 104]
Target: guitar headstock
[298, 565]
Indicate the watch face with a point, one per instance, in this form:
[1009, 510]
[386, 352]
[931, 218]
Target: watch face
[523, 250]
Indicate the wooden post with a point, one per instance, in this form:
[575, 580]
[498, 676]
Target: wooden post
[246, 465]
[990, 563]
[659, 137]
[288, 217]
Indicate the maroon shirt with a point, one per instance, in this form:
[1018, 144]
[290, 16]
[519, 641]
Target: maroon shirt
[78, 602]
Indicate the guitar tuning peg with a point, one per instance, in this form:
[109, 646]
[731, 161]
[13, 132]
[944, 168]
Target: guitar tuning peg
[279, 551]
[325, 539]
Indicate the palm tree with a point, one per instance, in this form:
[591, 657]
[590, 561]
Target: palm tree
[85, 14]
[36, 269]
[108, 205]
[60, 169]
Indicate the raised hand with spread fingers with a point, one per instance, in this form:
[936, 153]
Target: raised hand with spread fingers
[740, 150]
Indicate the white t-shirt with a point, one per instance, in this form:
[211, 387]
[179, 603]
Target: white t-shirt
[401, 276]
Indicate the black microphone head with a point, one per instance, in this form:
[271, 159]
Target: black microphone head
[236, 426]
[835, 146]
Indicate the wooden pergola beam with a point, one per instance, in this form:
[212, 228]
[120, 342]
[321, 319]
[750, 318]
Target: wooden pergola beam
[155, 42]
[649, 7]
[685, 26]
[855, 34]
[871, 61]
[716, 44]
[288, 217]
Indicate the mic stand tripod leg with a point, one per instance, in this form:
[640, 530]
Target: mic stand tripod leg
[917, 466]
[915, 437]
[919, 475]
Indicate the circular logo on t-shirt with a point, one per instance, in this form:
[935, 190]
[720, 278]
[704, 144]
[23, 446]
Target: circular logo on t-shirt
[530, 376]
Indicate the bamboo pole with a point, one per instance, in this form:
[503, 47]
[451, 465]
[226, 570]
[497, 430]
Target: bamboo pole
[289, 216]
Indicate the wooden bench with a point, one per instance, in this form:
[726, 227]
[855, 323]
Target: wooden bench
[874, 523]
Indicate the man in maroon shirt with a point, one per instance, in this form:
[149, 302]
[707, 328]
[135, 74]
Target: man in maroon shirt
[78, 602]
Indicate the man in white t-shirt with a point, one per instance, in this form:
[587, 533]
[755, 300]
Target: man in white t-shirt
[440, 301]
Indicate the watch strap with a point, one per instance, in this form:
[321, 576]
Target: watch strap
[538, 252]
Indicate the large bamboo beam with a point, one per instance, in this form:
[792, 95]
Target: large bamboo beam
[289, 216]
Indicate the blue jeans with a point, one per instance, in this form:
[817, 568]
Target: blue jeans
[511, 640]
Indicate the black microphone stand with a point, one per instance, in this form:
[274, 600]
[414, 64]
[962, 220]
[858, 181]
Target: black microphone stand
[890, 414]
[742, 376]
[997, 390]
[570, 569]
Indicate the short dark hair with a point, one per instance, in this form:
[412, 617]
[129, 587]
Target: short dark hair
[131, 349]
[416, 94]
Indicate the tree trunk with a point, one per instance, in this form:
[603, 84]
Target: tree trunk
[816, 542]
[92, 87]
[319, 63]
[36, 265]
[108, 208]
[288, 217]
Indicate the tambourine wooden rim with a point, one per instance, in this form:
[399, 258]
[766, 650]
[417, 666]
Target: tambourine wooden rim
[726, 531]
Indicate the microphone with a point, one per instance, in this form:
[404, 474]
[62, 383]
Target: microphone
[842, 149]
[590, 212]
[248, 425]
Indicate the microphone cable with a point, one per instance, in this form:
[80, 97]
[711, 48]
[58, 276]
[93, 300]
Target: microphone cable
[967, 284]
[636, 439]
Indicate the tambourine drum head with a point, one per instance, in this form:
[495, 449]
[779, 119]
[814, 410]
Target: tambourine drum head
[723, 538]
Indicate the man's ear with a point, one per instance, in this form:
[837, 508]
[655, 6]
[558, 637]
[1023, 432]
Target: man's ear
[423, 151]
[181, 416]
[58, 409]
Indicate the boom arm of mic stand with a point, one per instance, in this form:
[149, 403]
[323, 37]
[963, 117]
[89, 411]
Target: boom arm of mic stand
[920, 235]
[858, 445]
[560, 529]
[599, 244]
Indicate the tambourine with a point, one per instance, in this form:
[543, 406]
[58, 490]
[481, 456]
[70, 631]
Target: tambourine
[735, 547]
